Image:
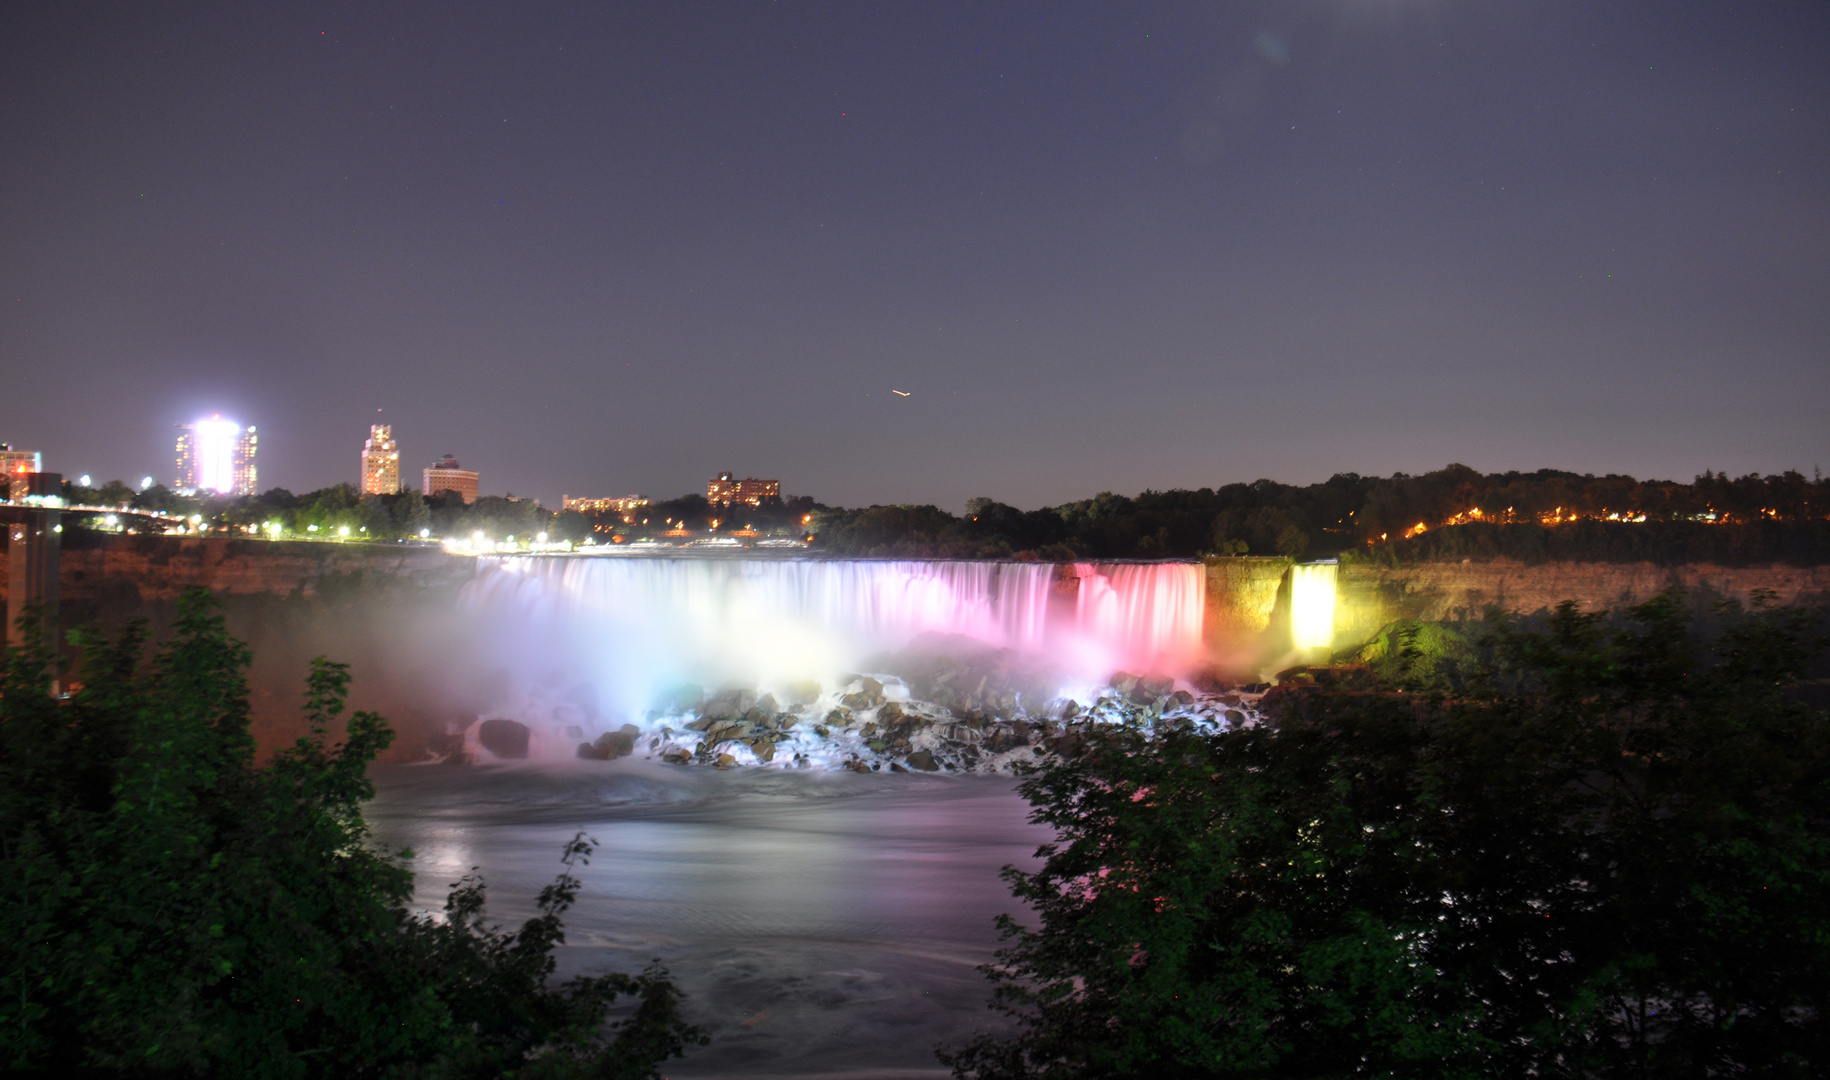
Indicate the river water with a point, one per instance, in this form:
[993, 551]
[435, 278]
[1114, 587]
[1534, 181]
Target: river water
[821, 924]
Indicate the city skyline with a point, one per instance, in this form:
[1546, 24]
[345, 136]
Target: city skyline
[913, 255]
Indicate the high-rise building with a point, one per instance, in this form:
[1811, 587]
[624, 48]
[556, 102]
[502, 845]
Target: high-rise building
[18, 466]
[380, 462]
[217, 455]
[726, 489]
[447, 476]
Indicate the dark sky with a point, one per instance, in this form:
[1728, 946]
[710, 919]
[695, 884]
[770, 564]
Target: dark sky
[603, 249]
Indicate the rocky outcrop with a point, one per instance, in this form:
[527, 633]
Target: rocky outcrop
[506, 739]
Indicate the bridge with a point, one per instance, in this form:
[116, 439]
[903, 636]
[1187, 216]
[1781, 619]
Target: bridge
[34, 527]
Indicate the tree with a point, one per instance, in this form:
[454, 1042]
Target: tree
[1610, 857]
[173, 909]
[411, 515]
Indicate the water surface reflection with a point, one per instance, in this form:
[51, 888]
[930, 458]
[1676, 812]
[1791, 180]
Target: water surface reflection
[822, 924]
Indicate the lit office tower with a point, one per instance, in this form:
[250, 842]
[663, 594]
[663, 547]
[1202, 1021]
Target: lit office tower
[217, 455]
[380, 462]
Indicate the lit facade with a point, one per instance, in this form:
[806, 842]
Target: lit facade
[18, 465]
[217, 455]
[380, 462]
[628, 504]
[726, 489]
[447, 476]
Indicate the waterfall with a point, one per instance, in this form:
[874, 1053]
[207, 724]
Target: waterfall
[631, 627]
[1312, 605]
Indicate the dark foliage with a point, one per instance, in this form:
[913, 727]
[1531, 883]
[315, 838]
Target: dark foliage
[1609, 857]
[174, 910]
[1754, 519]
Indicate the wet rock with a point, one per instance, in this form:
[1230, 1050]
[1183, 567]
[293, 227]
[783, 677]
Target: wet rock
[728, 704]
[764, 750]
[1234, 718]
[785, 721]
[586, 750]
[1157, 685]
[923, 760]
[822, 731]
[1123, 682]
[677, 756]
[1183, 698]
[897, 767]
[504, 738]
[890, 714]
[614, 744]
[725, 761]
[839, 718]
[760, 717]
[805, 692]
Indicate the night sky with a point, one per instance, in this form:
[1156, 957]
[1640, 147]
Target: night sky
[609, 249]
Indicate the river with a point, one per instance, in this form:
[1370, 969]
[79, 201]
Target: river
[820, 924]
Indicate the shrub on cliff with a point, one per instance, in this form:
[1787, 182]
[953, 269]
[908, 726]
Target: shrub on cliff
[1610, 859]
[172, 909]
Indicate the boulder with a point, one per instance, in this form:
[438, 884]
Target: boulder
[766, 704]
[923, 760]
[1157, 685]
[504, 738]
[615, 744]
[677, 755]
[728, 704]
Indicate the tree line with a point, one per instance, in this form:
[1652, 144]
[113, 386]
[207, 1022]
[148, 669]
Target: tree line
[1451, 513]
[1462, 513]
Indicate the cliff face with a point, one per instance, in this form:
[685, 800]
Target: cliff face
[109, 570]
[1371, 596]
[1248, 599]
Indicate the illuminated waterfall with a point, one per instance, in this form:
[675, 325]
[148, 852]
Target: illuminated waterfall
[633, 626]
[1312, 605]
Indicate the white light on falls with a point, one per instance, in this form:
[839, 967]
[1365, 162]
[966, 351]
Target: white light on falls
[1312, 605]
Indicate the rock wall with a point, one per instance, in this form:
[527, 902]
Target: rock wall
[1371, 596]
[103, 569]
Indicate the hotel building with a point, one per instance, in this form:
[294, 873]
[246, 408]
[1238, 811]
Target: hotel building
[628, 504]
[727, 490]
[18, 467]
[217, 455]
[446, 475]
